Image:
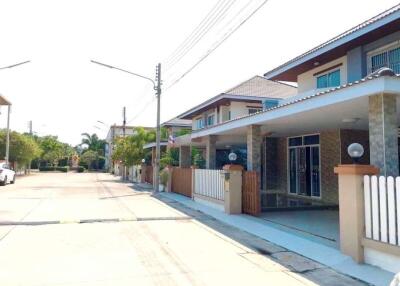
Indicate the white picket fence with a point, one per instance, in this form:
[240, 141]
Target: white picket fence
[382, 208]
[209, 183]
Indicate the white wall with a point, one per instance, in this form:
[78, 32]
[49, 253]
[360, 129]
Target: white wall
[236, 108]
[239, 109]
[383, 260]
[307, 83]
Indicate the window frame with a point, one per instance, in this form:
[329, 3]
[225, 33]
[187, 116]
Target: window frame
[326, 74]
[201, 121]
[381, 50]
[213, 119]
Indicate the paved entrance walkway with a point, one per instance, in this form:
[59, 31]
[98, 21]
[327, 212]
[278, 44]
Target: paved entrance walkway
[319, 225]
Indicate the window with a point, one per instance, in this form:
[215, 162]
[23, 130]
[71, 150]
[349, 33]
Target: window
[330, 79]
[229, 115]
[210, 120]
[388, 58]
[199, 123]
[254, 110]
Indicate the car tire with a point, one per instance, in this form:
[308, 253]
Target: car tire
[13, 180]
[3, 183]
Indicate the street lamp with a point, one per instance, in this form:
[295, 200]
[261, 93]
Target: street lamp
[157, 88]
[8, 112]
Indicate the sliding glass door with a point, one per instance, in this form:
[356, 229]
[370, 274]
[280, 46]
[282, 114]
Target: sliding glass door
[304, 166]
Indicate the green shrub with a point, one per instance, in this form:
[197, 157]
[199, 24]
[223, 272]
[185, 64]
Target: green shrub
[46, 168]
[164, 176]
[62, 169]
[80, 169]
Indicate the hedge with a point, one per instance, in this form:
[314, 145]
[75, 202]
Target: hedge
[51, 168]
[80, 169]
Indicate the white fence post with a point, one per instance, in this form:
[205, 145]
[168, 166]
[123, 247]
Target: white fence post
[209, 183]
[382, 209]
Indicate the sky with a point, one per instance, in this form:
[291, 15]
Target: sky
[64, 94]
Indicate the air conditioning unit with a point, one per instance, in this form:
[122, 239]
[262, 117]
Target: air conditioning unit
[270, 103]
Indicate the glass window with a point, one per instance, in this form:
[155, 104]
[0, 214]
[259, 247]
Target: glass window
[394, 60]
[311, 139]
[254, 110]
[330, 79]
[295, 141]
[210, 120]
[389, 58]
[229, 115]
[199, 123]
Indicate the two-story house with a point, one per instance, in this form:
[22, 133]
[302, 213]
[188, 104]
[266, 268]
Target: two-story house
[249, 97]
[347, 92]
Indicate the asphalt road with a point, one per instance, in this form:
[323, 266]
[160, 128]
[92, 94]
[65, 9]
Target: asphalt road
[91, 229]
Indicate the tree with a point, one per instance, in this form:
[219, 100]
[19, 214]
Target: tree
[129, 150]
[23, 148]
[92, 142]
[53, 150]
[89, 157]
[170, 157]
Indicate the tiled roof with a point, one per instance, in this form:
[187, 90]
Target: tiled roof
[342, 35]
[259, 86]
[379, 73]
[177, 122]
[254, 89]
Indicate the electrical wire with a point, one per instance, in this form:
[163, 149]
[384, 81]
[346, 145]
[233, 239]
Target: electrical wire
[219, 17]
[218, 44]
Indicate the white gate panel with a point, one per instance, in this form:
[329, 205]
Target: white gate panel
[367, 207]
[391, 215]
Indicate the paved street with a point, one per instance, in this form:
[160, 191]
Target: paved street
[91, 229]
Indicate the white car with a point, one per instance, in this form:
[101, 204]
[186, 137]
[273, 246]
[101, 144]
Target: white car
[6, 174]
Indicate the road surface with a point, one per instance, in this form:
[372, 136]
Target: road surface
[92, 229]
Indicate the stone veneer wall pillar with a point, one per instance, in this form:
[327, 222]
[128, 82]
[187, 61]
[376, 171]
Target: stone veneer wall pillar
[211, 152]
[383, 134]
[254, 142]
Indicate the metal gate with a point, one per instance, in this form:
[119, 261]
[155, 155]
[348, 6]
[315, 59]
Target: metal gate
[251, 203]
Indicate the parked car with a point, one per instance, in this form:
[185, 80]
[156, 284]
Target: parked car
[7, 175]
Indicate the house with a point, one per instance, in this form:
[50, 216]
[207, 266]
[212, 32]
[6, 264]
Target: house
[348, 91]
[247, 98]
[114, 132]
[174, 127]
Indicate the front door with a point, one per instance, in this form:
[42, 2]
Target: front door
[304, 166]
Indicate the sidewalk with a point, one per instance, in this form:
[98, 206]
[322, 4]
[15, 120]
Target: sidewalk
[323, 254]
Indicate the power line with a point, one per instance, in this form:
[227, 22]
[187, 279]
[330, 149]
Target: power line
[173, 54]
[219, 17]
[218, 43]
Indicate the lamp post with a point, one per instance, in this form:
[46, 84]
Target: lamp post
[8, 113]
[157, 87]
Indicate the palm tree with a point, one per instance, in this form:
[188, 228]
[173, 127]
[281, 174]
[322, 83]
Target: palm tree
[93, 143]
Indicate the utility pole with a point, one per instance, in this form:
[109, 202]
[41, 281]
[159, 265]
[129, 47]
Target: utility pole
[123, 120]
[30, 126]
[157, 87]
[124, 134]
[8, 135]
[158, 130]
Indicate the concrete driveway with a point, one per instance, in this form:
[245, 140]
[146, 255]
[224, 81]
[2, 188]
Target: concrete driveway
[91, 229]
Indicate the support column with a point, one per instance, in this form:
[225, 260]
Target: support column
[211, 152]
[383, 134]
[351, 208]
[254, 142]
[185, 157]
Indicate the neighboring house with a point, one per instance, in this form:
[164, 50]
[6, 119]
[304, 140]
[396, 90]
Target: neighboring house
[114, 132]
[247, 98]
[348, 91]
[174, 127]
